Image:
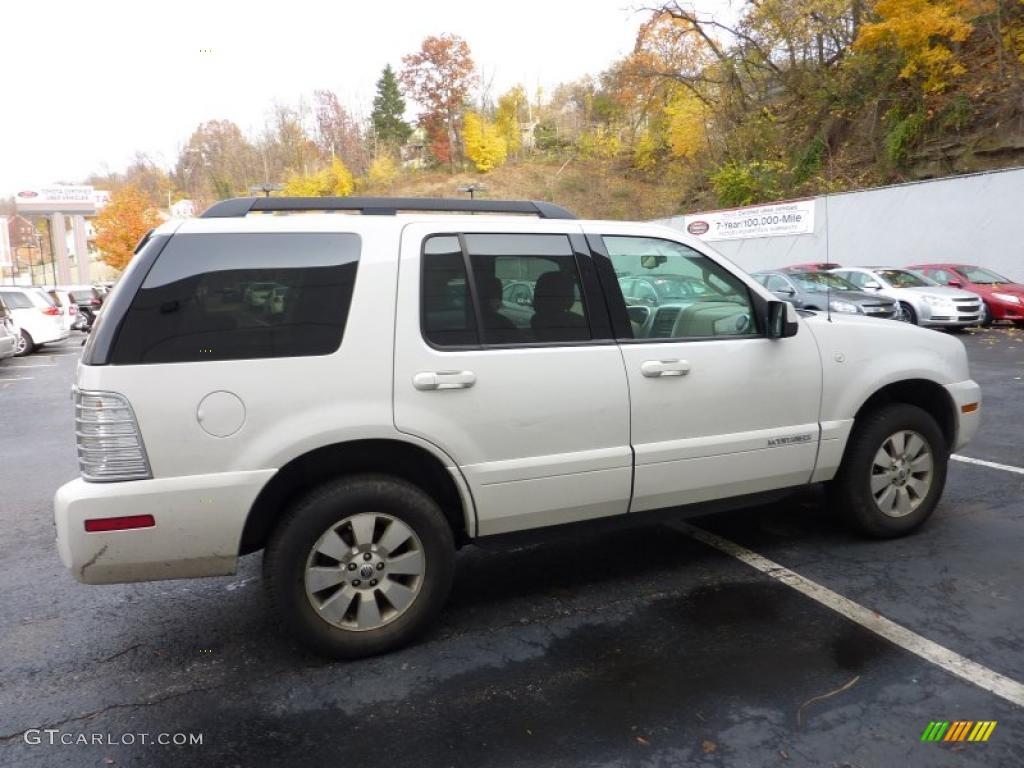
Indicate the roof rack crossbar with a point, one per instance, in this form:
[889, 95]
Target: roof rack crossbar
[385, 206]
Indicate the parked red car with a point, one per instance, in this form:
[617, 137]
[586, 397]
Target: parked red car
[1004, 299]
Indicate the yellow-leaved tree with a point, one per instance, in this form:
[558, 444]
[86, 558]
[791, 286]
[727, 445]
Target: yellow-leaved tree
[121, 223]
[485, 146]
[924, 32]
[506, 117]
[383, 171]
[335, 180]
[687, 124]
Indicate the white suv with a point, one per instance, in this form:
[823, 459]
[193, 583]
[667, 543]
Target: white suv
[402, 404]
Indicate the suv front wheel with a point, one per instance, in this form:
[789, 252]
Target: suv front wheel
[360, 566]
[893, 471]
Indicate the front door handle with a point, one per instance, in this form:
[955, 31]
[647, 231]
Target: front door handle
[427, 380]
[654, 368]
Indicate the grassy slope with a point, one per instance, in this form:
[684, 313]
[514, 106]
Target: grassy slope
[589, 188]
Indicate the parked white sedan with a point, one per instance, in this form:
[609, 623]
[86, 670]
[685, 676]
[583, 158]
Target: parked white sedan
[41, 321]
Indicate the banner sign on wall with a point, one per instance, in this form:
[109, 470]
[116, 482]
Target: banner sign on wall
[792, 218]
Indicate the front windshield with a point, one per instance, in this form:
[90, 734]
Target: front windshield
[982, 276]
[820, 282]
[900, 278]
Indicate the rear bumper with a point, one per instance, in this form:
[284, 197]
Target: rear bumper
[199, 521]
[48, 335]
[965, 394]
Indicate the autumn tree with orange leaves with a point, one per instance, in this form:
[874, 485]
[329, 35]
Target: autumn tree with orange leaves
[121, 223]
[439, 77]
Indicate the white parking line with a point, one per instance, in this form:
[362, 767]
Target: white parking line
[989, 464]
[41, 365]
[16, 378]
[951, 661]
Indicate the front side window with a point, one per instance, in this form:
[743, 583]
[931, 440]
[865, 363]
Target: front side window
[241, 296]
[777, 284]
[697, 298]
[901, 278]
[821, 282]
[857, 279]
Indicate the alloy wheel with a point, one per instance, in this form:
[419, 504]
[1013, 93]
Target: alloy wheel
[364, 571]
[901, 473]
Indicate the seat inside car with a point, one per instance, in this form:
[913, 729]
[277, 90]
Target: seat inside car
[553, 319]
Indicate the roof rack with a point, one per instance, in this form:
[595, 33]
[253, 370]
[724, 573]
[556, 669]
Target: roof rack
[382, 206]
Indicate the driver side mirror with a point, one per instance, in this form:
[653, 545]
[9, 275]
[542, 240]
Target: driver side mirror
[873, 285]
[779, 324]
[787, 291]
[955, 283]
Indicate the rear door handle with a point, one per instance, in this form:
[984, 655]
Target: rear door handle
[654, 368]
[427, 380]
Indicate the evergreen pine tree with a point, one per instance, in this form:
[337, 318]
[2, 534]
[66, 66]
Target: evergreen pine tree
[388, 111]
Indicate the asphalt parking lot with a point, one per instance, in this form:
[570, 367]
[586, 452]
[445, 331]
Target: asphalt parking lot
[643, 647]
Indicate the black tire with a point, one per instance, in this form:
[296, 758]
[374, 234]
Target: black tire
[909, 315]
[986, 316]
[290, 545]
[27, 346]
[850, 491]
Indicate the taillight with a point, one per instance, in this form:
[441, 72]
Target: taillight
[96, 302]
[50, 311]
[72, 309]
[109, 443]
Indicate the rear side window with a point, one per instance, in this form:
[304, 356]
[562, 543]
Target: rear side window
[448, 317]
[16, 300]
[241, 296]
[83, 297]
[524, 289]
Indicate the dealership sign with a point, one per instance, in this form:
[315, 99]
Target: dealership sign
[57, 198]
[793, 218]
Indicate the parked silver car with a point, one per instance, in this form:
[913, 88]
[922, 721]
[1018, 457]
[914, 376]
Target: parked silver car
[922, 301]
[10, 334]
[825, 291]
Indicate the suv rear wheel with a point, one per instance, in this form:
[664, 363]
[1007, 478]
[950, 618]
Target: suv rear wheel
[893, 472]
[24, 344]
[360, 566]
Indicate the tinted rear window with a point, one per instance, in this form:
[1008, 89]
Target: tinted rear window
[16, 300]
[240, 296]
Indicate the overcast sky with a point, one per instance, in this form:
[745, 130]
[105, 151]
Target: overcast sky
[87, 84]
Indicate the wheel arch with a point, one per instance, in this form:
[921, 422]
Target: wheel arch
[926, 394]
[401, 459]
